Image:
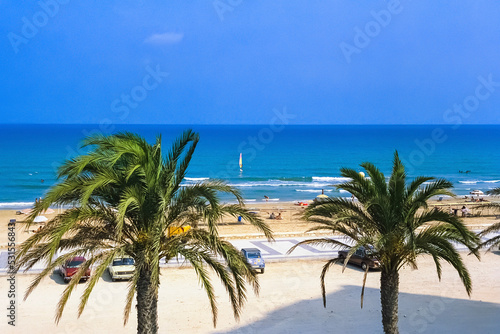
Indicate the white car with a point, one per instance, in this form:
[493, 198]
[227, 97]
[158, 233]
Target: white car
[122, 268]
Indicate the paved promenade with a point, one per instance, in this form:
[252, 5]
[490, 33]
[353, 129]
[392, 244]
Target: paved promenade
[271, 251]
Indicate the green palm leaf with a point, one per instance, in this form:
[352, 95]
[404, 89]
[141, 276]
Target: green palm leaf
[125, 195]
[391, 216]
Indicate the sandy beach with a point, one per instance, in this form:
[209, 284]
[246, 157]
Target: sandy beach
[290, 225]
[289, 302]
[290, 297]
[169, 138]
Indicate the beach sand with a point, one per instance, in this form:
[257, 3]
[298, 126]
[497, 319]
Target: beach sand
[290, 225]
[289, 300]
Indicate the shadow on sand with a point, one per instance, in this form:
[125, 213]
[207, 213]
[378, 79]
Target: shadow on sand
[56, 277]
[417, 314]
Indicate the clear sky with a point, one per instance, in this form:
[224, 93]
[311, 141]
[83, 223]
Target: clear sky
[235, 61]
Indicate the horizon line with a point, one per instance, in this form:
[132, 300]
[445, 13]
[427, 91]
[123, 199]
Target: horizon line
[232, 124]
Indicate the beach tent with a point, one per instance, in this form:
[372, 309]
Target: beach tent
[40, 219]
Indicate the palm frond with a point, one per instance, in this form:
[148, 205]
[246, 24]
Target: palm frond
[391, 218]
[124, 196]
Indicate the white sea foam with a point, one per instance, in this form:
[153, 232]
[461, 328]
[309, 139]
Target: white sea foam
[314, 190]
[344, 191]
[196, 179]
[280, 183]
[478, 181]
[16, 204]
[330, 179]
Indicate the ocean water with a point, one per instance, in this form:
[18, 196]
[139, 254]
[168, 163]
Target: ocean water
[285, 163]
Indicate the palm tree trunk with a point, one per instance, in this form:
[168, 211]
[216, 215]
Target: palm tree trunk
[147, 318]
[154, 313]
[389, 291]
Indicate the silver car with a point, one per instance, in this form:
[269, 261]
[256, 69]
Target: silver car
[254, 258]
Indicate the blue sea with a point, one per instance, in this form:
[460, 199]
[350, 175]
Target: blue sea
[285, 163]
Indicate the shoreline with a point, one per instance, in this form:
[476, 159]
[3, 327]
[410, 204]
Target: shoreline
[19, 205]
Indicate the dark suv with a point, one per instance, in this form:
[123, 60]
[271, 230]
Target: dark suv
[70, 267]
[362, 257]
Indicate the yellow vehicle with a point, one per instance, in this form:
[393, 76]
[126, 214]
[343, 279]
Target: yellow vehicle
[175, 230]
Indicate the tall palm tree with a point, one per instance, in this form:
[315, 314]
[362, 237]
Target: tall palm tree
[392, 218]
[125, 196]
[494, 241]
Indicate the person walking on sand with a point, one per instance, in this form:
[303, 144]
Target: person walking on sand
[465, 211]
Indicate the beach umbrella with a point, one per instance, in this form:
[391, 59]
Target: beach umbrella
[40, 219]
[320, 198]
[476, 192]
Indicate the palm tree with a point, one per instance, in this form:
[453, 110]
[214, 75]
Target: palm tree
[494, 241]
[391, 218]
[125, 196]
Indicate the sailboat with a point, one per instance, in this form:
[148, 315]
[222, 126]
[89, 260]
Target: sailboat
[241, 163]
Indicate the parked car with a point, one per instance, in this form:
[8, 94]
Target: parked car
[176, 230]
[254, 258]
[70, 267]
[362, 257]
[121, 268]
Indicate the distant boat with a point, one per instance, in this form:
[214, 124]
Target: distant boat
[241, 162]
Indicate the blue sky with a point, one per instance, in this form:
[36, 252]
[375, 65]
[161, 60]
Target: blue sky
[235, 61]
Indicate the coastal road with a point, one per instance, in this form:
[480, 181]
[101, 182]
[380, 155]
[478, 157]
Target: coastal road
[271, 251]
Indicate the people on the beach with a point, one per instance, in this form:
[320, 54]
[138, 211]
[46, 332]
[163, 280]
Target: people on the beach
[272, 216]
[465, 211]
[279, 217]
[266, 198]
